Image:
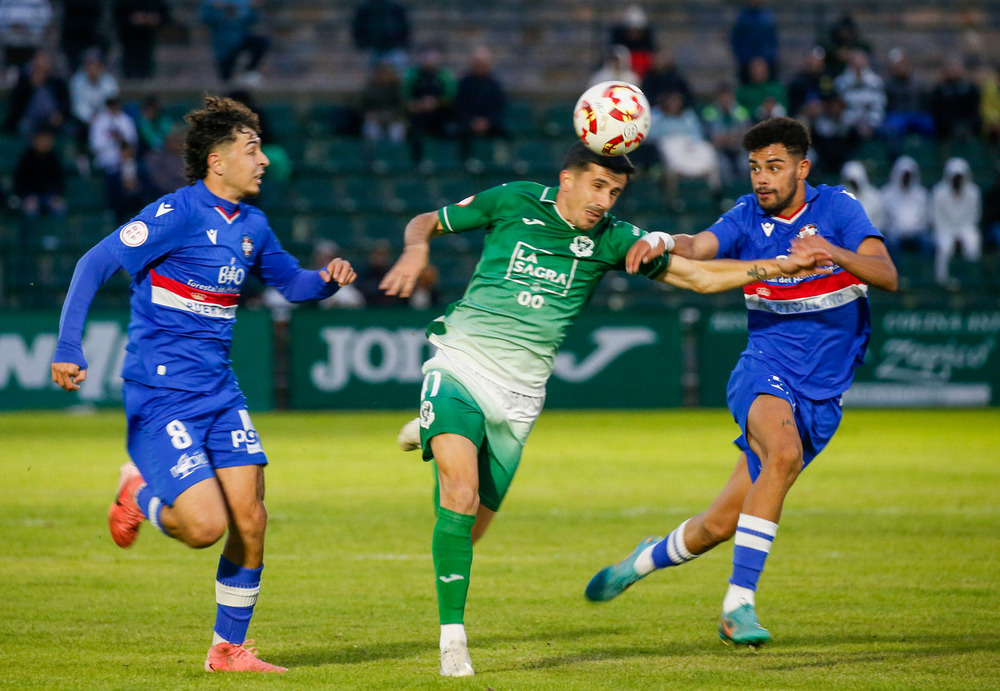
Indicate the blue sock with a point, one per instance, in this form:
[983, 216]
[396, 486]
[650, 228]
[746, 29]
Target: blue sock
[751, 545]
[151, 507]
[236, 590]
[671, 550]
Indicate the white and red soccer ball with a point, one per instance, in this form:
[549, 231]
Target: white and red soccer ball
[612, 118]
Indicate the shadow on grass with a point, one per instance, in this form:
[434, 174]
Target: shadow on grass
[318, 656]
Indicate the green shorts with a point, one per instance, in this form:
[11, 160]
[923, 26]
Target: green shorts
[495, 419]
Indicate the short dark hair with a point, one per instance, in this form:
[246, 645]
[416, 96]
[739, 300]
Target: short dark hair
[217, 123]
[579, 157]
[780, 130]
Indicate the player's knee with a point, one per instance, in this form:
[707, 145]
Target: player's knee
[717, 529]
[203, 530]
[784, 462]
[460, 499]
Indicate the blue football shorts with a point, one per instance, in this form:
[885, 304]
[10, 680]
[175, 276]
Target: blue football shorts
[178, 438]
[817, 421]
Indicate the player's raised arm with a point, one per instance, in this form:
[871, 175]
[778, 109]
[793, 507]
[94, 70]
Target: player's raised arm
[716, 275]
[871, 263]
[403, 275]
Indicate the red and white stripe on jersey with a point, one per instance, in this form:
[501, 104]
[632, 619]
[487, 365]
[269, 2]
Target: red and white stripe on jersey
[813, 295]
[170, 293]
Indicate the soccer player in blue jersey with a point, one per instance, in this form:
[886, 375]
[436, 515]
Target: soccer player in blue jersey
[807, 335]
[197, 465]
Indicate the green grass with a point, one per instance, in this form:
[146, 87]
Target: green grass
[885, 573]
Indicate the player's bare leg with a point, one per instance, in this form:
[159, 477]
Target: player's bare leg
[774, 437]
[240, 566]
[458, 478]
[690, 539]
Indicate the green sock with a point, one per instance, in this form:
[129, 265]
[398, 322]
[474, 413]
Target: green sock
[451, 548]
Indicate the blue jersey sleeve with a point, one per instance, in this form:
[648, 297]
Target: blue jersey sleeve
[92, 271]
[729, 231]
[152, 234]
[855, 226]
[278, 268]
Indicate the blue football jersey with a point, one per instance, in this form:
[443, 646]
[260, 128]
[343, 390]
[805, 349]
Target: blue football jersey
[189, 254]
[814, 330]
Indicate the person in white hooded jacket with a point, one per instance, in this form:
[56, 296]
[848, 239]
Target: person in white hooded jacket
[905, 208]
[854, 178]
[957, 206]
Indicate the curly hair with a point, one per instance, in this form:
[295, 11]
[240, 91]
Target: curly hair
[779, 130]
[214, 125]
[579, 157]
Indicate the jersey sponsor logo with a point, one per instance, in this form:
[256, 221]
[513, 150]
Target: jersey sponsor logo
[187, 464]
[247, 246]
[232, 274]
[247, 435]
[582, 246]
[164, 208]
[807, 230]
[134, 234]
[533, 221]
[212, 234]
[768, 228]
[541, 270]
[812, 295]
[167, 292]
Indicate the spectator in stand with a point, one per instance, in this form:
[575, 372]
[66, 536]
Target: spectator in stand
[38, 183]
[164, 166]
[810, 83]
[39, 100]
[231, 23]
[23, 25]
[677, 133]
[956, 209]
[153, 125]
[725, 122]
[480, 104]
[113, 143]
[955, 103]
[635, 33]
[755, 93]
[834, 141]
[90, 87]
[617, 67]
[906, 208]
[138, 24]
[81, 30]
[989, 103]
[663, 76]
[906, 109]
[383, 111]
[843, 38]
[864, 96]
[854, 178]
[382, 27]
[754, 35]
[429, 94]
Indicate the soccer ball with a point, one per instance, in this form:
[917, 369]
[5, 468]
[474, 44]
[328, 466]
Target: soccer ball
[612, 118]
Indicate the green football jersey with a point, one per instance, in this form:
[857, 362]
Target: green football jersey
[535, 275]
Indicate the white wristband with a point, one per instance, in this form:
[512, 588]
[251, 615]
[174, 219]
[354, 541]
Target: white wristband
[654, 237]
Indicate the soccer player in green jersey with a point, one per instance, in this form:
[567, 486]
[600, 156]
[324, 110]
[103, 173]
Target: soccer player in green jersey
[546, 251]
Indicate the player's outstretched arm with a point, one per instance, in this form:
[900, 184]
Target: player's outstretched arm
[716, 275]
[871, 263]
[704, 245]
[402, 277]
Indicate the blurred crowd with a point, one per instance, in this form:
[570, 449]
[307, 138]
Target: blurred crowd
[65, 65]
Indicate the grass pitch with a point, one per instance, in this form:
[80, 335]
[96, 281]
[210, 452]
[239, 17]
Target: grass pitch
[884, 573]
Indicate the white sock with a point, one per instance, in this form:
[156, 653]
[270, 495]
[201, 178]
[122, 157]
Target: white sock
[644, 562]
[216, 639]
[452, 632]
[736, 597]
